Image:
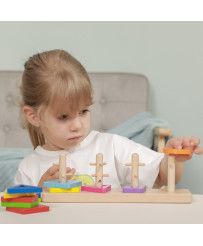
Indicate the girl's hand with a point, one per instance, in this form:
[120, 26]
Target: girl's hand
[185, 143]
[53, 173]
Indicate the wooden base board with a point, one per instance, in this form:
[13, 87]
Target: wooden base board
[117, 196]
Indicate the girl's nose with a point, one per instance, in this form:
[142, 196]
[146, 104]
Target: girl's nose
[75, 124]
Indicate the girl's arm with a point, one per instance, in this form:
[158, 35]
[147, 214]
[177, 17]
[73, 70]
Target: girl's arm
[178, 143]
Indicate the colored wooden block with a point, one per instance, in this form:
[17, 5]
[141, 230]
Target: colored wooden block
[117, 196]
[6, 195]
[84, 178]
[60, 190]
[177, 151]
[38, 209]
[19, 204]
[130, 189]
[67, 185]
[38, 194]
[20, 199]
[23, 189]
[103, 189]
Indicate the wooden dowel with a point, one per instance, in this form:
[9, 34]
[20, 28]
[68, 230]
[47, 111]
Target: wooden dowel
[62, 168]
[99, 170]
[135, 171]
[171, 173]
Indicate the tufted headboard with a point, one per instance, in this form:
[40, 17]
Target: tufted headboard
[117, 97]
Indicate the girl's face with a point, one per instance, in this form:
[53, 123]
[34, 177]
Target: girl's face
[66, 130]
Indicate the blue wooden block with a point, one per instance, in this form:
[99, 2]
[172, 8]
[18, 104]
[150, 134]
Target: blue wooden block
[23, 189]
[67, 185]
[39, 195]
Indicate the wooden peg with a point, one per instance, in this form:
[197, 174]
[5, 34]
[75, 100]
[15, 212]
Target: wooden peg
[92, 164]
[55, 164]
[171, 173]
[135, 170]
[171, 164]
[99, 170]
[62, 168]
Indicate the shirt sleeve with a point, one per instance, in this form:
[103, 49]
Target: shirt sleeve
[21, 177]
[123, 149]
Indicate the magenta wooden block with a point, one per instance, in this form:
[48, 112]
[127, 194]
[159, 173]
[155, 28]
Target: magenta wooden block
[104, 189]
[129, 189]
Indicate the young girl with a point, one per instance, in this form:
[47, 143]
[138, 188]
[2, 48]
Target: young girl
[56, 100]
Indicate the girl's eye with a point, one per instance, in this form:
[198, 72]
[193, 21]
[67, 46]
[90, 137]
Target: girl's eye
[84, 111]
[63, 117]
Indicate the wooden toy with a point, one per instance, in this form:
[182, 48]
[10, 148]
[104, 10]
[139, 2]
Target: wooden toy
[20, 204]
[135, 187]
[99, 187]
[20, 199]
[62, 182]
[23, 189]
[84, 178]
[171, 164]
[38, 209]
[177, 151]
[6, 195]
[59, 190]
[67, 185]
[17, 199]
[170, 195]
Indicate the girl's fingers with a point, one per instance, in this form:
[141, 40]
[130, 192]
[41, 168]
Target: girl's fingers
[52, 170]
[198, 150]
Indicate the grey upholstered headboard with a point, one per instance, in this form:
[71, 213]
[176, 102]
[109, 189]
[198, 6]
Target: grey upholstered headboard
[117, 97]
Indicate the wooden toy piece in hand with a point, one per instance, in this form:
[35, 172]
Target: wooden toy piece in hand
[177, 151]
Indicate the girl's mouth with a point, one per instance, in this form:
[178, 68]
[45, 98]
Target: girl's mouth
[75, 138]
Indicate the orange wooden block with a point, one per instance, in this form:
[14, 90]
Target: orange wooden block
[177, 151]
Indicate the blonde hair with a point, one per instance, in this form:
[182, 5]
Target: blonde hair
[53, 79]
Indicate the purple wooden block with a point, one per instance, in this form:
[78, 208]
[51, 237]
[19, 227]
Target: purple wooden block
[129, 189]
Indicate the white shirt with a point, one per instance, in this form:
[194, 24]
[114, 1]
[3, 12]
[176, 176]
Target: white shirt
[116, 150]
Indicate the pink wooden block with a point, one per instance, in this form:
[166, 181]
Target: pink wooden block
[129, 189]
[104, 189]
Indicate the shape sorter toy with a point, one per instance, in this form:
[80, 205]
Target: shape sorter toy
[166, 195]
[62, 185]
[134, 187]
[23, 199]
[99, 187]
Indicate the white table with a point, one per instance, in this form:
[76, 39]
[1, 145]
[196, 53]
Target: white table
[111, 213]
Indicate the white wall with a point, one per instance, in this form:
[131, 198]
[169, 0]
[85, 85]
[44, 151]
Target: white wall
[170, 54]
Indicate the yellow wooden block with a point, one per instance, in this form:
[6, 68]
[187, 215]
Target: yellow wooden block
[61, 190]
[6, 195]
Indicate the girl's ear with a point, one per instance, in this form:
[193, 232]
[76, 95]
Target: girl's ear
[31, 115]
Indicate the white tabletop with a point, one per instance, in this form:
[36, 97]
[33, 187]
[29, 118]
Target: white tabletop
[111, 213]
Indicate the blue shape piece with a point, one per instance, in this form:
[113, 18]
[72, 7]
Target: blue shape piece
[39, 195]
[24, 189]
[67, 185]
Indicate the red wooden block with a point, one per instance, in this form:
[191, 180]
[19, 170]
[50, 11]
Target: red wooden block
[28, 199]
[38, 209]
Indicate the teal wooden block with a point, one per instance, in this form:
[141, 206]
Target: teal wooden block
[67, 185]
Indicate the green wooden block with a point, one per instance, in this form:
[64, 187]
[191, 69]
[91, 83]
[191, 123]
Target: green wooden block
[19, 204]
